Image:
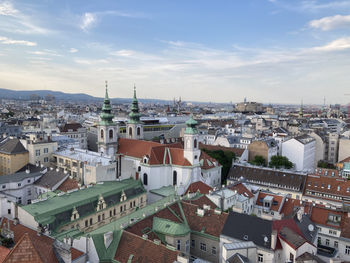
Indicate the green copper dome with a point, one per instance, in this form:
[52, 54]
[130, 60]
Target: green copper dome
[191, 126]
[134, 115]
[106, 115]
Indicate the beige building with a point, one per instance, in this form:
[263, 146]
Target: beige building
[13, 156]
[265, 148]
[344, 148]
[333, 147]
[320, 147]
[40, 148]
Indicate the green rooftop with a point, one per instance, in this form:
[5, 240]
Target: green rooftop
[44, 211]
[164, 191]
[168, 227]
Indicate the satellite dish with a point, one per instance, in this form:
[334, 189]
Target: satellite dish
[266, 239]
[311, 227]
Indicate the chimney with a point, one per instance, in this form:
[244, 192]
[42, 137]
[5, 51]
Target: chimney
[273, 239]
[300, 213]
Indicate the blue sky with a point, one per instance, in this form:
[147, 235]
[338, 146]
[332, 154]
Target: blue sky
[265, 50]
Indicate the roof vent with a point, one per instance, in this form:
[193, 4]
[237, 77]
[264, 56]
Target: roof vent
[156, 241]
[245, 237]
[144, 236]
[27, 171]
[200, 212]
[206, 207]
[217, 211]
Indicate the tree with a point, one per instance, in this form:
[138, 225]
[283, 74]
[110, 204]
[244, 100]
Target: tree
[280, 162]
[225, 158]
[324, 164]
[258, 160]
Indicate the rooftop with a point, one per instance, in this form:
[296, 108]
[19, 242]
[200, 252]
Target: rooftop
[12, 146]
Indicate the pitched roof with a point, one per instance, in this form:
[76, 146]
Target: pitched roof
[3, 253]
[328, 185]
[135, 148]
[248, 228]
[268, 177]
[70, 126]
[207, 162]
[241, 189]
[51, 178]
[133, 248]
[237, 151]
[43, 245]
[201, 201]
[68, 184]
[277, 201]
[12, 146]
[198, 186]
[320, 215]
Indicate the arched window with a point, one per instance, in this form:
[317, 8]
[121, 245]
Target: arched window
[195, 143]
[102, 134]
[110, 134]
[174, 178]
[139, 169]
[145, 181]
[138, 131]
[130, 131]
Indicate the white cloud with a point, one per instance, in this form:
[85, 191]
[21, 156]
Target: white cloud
[45, 52]
[73, 50]
[9, 41]
[330, 22]
[7, 9]
[335, 45]
[87, 21]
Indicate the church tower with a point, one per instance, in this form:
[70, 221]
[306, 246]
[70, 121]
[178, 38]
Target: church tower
[107, 129]
[134, 127]
[191, 147]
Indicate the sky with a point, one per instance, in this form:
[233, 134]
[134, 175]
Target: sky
[270, 51]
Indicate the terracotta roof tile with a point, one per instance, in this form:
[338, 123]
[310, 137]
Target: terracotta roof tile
[68, 184]
[201, 201]
[140, 250]
[42, 243]
[70, 126]
[135, 148]
[276, 203]
[319, 215]
[241, 189]
[208, 162]
[199, 186]
[3, 253]
[328, 185]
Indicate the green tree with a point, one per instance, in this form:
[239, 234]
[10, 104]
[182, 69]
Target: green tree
[225, 158]
[258, 160]
[280, 162]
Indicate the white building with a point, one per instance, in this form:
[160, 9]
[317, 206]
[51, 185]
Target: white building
[75, 131]
[301, 152]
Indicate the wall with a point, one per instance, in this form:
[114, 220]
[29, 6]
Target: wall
[11, 163]
[344, 148]
[258, 148]
[206, 255]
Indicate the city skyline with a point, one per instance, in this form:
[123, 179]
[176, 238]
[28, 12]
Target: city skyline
[267, 51]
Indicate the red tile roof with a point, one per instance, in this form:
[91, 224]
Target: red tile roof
[68, 184]
[3, 253]
[142, 250]
[346, 160]
[321, 183]
[241, 189]
[199, 186]
[319, 215]
[208, 162]
[70, 126]
[327, 172]
[277, 198]
[201, 201]
[135, 148]
[43, 244]
[290, 204]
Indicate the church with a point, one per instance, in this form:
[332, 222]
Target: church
[155, 164]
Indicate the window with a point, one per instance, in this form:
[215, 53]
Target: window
[29, 201]
[90, 221]
[138, 131]
[336, 244]
[130, 204]
[139, 169]
[187, 246]
[102, 134]
[86, 223]
[110, 213]
[28, 181]
[121, 208]
[260, 258]
[145, 179]
[110, 134]
[203, 246]
[347, 250]
[174, 178]
[4, 186]
[37, 152]
[193, 243]
[213, 250]
[134, 203]
[46, 150]
[19, 184]
[319, 241]
[29, 191]
[178, 244]
[195, 143]
[327, 242]
[103, 216]
[9, 211]
[291, 257]
[46, 159]
[114, 211]
[130, 131]
[99, 218]
[338, 188]
[20, 200]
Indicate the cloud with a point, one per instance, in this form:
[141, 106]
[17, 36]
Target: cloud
[7, 9]
[73, 50]
[335, 45]
[330, 22]
[45, 52]
[9, 41]
[87, 21]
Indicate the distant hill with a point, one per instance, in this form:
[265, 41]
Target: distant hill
[26, 95]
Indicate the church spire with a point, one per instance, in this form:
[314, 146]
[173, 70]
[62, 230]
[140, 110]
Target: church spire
[106, 115]
[135, 112]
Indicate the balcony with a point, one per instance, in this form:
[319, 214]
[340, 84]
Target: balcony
[325, 251]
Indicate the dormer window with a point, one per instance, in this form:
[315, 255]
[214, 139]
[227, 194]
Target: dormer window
[338, 188]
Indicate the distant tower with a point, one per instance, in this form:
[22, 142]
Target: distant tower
[107, 129]
[191, 147]
[301, 113]
[134, 127]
